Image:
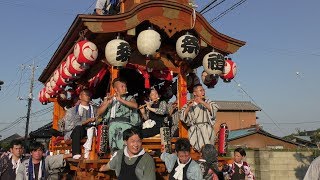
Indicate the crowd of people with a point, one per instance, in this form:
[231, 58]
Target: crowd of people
[128, 123]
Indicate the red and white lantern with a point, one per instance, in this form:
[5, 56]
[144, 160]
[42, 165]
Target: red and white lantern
[73, 66]
[85, 52]
[54, 86]
[44, 96]
[49, 89]
[230, 70]
[64, 72]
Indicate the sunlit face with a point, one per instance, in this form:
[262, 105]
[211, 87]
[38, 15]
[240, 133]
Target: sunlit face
[237, 157]
[120, 87]
[153, 95]
[183, 156]
[199, 92]
[85, 97]
[134, 145]
[37, 154]
[17, 151]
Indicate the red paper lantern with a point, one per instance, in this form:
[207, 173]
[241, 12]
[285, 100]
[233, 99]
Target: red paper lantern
[64, 72]
[56, 75]
[210, 80]
[85, 52]
[230, 70]
[54, 86]
[44, 96]
[49, 89]
[73, 66]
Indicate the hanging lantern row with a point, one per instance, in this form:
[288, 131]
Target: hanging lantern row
[85, 54]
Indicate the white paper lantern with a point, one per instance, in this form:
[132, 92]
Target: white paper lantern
[118, 52]
[213, 63]
[148, 42]
[187, 47]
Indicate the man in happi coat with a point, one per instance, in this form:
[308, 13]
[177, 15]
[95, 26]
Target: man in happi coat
[199, 114]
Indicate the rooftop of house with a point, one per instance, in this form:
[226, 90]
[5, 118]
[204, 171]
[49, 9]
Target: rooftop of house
[237, 105]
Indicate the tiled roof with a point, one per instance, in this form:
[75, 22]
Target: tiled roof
[237, 105]
[306, 138]
[236, 134]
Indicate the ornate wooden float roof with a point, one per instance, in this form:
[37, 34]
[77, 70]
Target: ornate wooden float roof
[169, 16]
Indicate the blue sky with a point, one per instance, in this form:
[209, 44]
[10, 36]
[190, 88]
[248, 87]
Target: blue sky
[282, 39]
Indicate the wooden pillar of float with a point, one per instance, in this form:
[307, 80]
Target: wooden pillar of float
[58, 113]
[114, 73]
[182, 99]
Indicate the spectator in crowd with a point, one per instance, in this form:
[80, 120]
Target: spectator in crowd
[9, 163]
[240, 169]
[180, 165]
[39, 167]
[313, 172]
[132, 162]
[209, 163]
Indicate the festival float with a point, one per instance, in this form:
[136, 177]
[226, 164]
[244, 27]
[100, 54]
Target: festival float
[149, 43]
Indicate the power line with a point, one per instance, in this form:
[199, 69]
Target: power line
[274, 122]
[207, 6]
[227, 11]
[307, 122]
[213, 7]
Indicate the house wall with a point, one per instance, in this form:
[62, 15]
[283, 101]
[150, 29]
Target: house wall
[235, 120]
[260, 141]
[275, 165]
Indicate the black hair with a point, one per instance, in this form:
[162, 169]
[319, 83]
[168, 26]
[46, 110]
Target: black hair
[35, 146]
[130, 132]
[15, 142]
[195, 86]
[182, 144]
[241, 151]
[118, 80]
[209, 153]
[86, 91]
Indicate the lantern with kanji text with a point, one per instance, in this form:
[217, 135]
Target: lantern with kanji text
[187, 47]
[213, 63]
[117, 52]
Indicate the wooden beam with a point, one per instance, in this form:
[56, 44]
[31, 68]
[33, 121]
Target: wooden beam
[182, 99]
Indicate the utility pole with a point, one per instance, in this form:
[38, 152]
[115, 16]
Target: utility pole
[30, 98]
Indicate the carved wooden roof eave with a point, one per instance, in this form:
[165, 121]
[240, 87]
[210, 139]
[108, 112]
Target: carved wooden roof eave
[152, 11]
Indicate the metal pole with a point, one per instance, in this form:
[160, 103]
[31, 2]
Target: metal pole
[30, 98]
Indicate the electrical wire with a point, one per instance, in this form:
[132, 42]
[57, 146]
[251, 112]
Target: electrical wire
[262, 110]
[213, 7]
[227, 11]
[207, 6]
